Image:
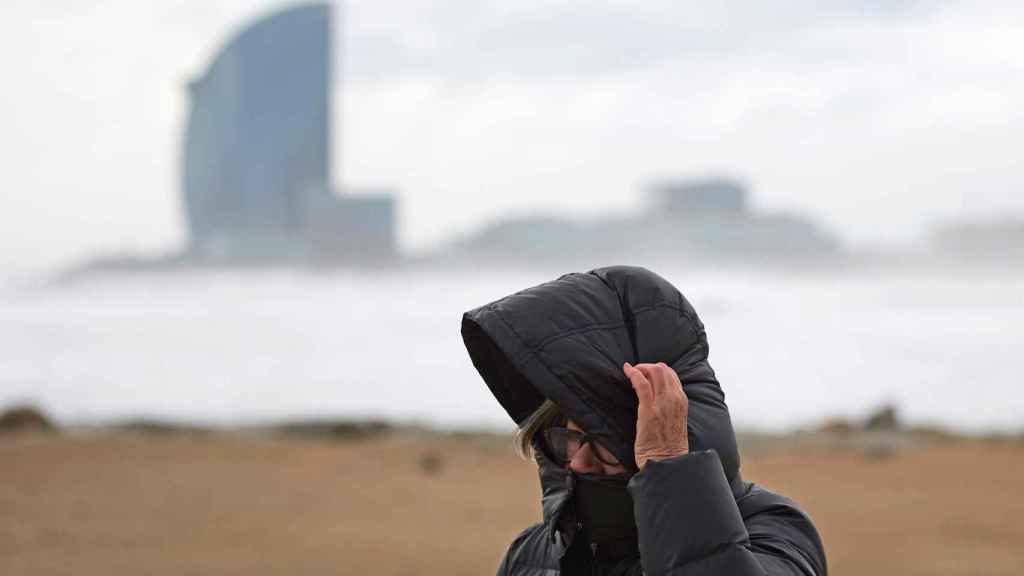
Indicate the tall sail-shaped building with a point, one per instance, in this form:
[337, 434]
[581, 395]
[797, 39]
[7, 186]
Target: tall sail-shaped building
[256, 162]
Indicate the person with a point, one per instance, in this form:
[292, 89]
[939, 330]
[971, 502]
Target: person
[606, 375]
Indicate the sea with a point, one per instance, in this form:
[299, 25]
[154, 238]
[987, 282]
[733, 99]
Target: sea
[791, 348]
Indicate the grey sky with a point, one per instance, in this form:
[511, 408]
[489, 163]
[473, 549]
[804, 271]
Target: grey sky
[876, 117]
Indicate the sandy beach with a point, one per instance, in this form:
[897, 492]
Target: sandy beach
[411, 502]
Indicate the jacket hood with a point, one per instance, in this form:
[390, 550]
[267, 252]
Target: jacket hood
[567, 340]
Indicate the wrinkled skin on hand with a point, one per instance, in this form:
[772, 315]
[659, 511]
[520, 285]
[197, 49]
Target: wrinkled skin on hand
[661, 417]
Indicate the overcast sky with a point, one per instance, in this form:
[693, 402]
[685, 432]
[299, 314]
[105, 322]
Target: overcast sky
[876, 117]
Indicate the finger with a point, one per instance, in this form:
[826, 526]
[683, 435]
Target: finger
[648, 370]
[641, 385]
[664, 379]
[654, 375]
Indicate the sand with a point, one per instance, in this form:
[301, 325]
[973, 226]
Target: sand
[422, 503]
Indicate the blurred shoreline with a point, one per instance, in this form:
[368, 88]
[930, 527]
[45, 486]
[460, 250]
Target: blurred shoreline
[881, 434]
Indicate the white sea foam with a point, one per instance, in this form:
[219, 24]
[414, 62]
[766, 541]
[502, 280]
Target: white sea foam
[237, 347]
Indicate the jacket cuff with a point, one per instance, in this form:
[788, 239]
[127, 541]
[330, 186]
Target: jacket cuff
[684, 510]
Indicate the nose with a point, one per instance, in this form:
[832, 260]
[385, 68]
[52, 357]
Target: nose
[584, 461]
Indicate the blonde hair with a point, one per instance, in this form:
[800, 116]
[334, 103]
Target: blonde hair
[548, 413]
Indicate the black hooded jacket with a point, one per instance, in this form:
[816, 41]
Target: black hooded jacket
[567, 340]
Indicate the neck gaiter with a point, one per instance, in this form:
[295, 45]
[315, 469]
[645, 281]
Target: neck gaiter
[604, 508]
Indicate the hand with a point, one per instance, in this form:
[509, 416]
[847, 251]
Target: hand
[661, 418]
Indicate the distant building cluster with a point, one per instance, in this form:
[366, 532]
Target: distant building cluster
[256, 159]
[712, 216]
[686, 219]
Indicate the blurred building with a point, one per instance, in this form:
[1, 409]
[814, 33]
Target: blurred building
[704, 196]
[693, 220]
[711, 218]
[256, 175]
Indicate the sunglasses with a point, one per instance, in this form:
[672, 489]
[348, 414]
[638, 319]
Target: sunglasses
[562, 444]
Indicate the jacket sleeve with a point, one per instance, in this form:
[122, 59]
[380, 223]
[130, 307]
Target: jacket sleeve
[689, 524]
